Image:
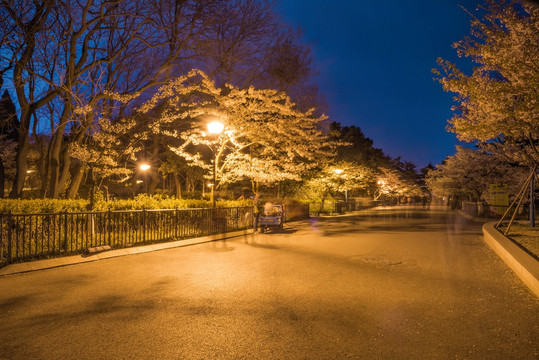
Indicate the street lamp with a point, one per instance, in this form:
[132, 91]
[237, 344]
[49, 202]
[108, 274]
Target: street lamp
[339, 172]
[145, 167]
[214, 128]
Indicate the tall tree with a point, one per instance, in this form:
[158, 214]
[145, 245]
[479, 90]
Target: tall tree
[71, 56]
[497, 103]
[9, 125]
[266, 138]
[356, 147]
[469, 173]
[25, 21]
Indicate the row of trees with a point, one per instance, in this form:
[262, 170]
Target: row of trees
[95, 87]
[496, 106]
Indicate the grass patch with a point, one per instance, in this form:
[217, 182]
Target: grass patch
[525, 236]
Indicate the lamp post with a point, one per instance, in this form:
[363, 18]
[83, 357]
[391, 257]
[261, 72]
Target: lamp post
[339, 172]
[144, 168]
[214, 128]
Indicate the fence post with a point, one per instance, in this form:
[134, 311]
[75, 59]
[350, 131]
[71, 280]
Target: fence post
[532, 200]
[1, 237]
[176, 223]
[65, 231]
[9, 228]
[143, 225]
[109, 227]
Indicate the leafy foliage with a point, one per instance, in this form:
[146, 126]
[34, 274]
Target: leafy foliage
[138, 203]
[266, 138]
[469, 173]
[498, 102]
[339, 178]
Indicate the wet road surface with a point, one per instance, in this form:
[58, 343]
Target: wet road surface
[393, 283]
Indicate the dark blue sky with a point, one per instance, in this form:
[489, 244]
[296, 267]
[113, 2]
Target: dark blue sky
[374, 60]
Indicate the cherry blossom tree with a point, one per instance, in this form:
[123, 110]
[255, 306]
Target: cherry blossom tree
[498, 103]
[469, 173]
[266, 138]
[339, 177]
[68, 56]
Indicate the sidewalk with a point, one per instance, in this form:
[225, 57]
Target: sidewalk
[23, 267]
[522, 263]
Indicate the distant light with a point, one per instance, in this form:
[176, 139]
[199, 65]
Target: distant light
[139, 181]
[338, 171]
[381, 182]
[216, 127]
[29, 171]
[144, 167]
[210, 185]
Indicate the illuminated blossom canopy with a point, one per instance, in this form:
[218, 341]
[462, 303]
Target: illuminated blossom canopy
[266, 137]
[469, 173]
[499, 102]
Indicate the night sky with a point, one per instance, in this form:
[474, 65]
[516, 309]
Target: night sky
[374, 60]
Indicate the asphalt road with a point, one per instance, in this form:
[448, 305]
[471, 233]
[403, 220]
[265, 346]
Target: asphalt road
[386, 284]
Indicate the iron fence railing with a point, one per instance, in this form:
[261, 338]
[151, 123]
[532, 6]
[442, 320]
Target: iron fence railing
[483, 210]
[340, 207]
[26, 236]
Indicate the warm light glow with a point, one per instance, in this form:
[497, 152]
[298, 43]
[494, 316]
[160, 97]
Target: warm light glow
[338, 171]
[210, 185]
[381, 182]
[216, 127]
[139, 181]
[144, 167]
[29, 171]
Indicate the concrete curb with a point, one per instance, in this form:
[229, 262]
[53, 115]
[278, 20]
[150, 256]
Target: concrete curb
[525, 266]
[19, 268]
[471, 217]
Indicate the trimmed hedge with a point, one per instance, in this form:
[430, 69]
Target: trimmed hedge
[138, 203]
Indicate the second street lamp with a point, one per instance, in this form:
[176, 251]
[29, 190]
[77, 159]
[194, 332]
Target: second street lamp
[339, 172]
[214, 128]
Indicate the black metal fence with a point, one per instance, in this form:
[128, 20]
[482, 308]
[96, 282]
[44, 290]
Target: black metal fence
[26, 236]
[487, 211]
[340, 207]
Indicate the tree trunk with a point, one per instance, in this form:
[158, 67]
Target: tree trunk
[154, 173]
[2, 179]
[21, 166]
[66, 166]
[78, 175]
[178, 186]
[189, 187]
[57, 142]
[44, 167]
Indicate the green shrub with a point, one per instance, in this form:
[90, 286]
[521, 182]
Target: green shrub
[42, 205]
[138, 203]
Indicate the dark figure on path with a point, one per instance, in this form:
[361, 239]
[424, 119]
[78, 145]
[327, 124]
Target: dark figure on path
[256, 212]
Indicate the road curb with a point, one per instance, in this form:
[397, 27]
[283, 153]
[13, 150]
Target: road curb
[471, 217]
[524, 265]
[19, 268]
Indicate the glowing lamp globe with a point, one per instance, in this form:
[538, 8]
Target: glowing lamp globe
[216, 127]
